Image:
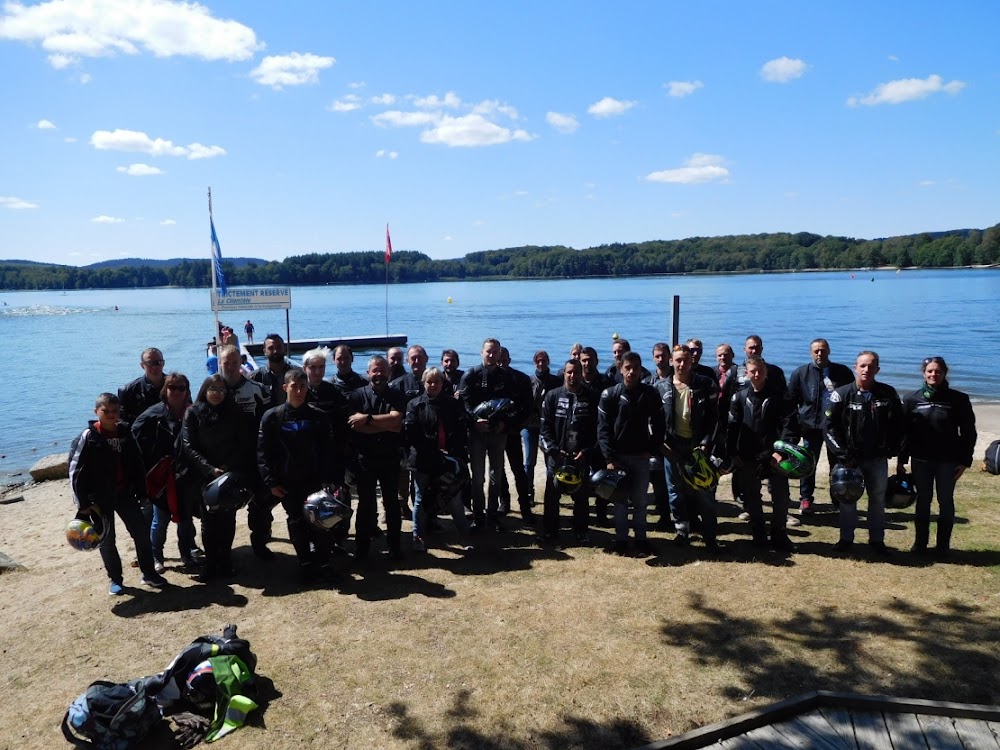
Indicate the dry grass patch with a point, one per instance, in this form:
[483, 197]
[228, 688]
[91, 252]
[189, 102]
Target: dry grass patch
[515, 645]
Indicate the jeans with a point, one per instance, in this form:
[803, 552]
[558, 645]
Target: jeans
[422, 491]
[926, 476]
[876, 473]
[747, 477]
[481, 445]
[185, 529]
[637, 468]
[529, 445]
[132, 516]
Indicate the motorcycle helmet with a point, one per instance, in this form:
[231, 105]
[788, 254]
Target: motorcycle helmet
[201, 685]
[847, 484]
[900, 492]
[228, 492]
[452, 476]
[87, 531]
[495, 410]
[698, 472]
[796, 462]
[611, 485]
[567, 479]
[324, 510]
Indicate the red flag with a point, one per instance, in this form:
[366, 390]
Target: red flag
[388, 245]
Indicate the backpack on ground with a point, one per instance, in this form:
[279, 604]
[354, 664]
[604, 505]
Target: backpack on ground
[992, 461]
[111, 716]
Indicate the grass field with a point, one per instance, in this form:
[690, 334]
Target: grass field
[515, 645]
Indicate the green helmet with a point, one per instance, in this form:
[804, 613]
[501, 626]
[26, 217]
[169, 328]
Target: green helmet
[796, 462]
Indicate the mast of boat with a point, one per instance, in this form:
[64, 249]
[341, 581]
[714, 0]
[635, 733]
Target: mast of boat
[216, 337]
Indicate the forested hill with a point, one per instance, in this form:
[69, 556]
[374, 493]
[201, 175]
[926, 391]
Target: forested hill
[740, 253]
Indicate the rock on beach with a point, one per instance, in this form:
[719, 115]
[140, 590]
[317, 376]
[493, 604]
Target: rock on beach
[55, 466]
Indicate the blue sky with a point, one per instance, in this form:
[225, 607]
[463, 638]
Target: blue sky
[471, 126]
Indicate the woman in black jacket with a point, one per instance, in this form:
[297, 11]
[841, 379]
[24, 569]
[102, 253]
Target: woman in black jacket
[214, 440]
[156, 431]
[435, 427]
[939, 435]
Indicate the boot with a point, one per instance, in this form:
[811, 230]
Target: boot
[943, 538]
[923, 530]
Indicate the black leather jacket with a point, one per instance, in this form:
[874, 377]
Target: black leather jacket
[214, 438]
[811, 394]
[420, 431]
[704, 411]
[853, 411]
[757, 419]
[938, 427]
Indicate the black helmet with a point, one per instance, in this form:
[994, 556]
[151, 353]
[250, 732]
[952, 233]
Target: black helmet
[324, 510]
[452, 475]
[611, 485]
[568, 478]
[847, 484]
[900, 492]
[87, 531]
[228, 492]
[495, 410]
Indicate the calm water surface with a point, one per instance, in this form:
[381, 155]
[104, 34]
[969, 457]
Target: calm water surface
[64, 349]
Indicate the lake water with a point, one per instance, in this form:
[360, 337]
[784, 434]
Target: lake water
[62, 349]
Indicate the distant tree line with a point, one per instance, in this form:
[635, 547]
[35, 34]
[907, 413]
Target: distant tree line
[740, 253]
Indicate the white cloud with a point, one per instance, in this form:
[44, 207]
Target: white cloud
[926, 183]
[103, 219]
[167, 223]
[294, 69]
[134, 140]
[783, 70]
[493, 106]
[16, 204]
[682, 88]
[893, 58]
[71, 29]
[85, 78]
[609, 107]
[387, 154]
[450, 100]
[69, 139]
[45, 125]
[471, 130]
[385, 100]
[699, 168]
[139, 170]
[906, 90]
[561, 122]
[348, 103]
[395, 118]
[356, 85]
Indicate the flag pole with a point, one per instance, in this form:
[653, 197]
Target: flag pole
[212, 269]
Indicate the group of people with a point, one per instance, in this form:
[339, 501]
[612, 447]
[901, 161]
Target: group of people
[441, 436]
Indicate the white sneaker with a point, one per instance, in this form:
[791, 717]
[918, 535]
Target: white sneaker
[159, 567]
[744, 516]
[791, 522]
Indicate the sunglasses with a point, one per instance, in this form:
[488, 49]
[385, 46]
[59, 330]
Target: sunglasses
[176, 387]
[153, 362]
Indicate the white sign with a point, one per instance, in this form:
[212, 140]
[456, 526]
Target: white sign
[262, 298]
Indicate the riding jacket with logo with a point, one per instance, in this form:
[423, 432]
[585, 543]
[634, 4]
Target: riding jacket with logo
[863, 425]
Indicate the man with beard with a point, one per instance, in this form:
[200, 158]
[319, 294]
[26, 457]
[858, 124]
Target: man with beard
[375, 419]
[568, 437]
[395, 359]
[272, 377]
[449, 366]
[619, 349]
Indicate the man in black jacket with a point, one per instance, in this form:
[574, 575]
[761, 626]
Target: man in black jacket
[864, 429]
[514, 448]
[568, 436]
[272, 377]
[630, 430]
[143, 392]
[810, 388]
[758, 415]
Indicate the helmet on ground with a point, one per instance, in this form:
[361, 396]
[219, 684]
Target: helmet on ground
[611, 485]
[698, 472]
[847, 484]
[324, 510]
[796, 462]
[87, 531]
[567, 479]
[900, 492]
[495, 410]
[228, 492]
[201, 685]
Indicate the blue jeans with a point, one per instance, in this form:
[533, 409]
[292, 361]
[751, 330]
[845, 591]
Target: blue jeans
[637, 468]
[185, 531]
[529, 444]
[812, 441]
[422, 489]
[876, 473]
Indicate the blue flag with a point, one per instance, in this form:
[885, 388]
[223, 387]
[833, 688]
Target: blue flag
[220, 278]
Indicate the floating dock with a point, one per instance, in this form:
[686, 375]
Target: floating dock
[357, 343]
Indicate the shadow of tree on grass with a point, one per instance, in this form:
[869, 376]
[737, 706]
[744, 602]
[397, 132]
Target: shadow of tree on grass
[949, 654]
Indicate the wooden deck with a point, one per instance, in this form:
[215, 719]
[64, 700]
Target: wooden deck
[357, 343]
[845, 721]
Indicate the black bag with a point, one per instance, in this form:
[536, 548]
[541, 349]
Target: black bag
[992, 461]
[111, 716]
